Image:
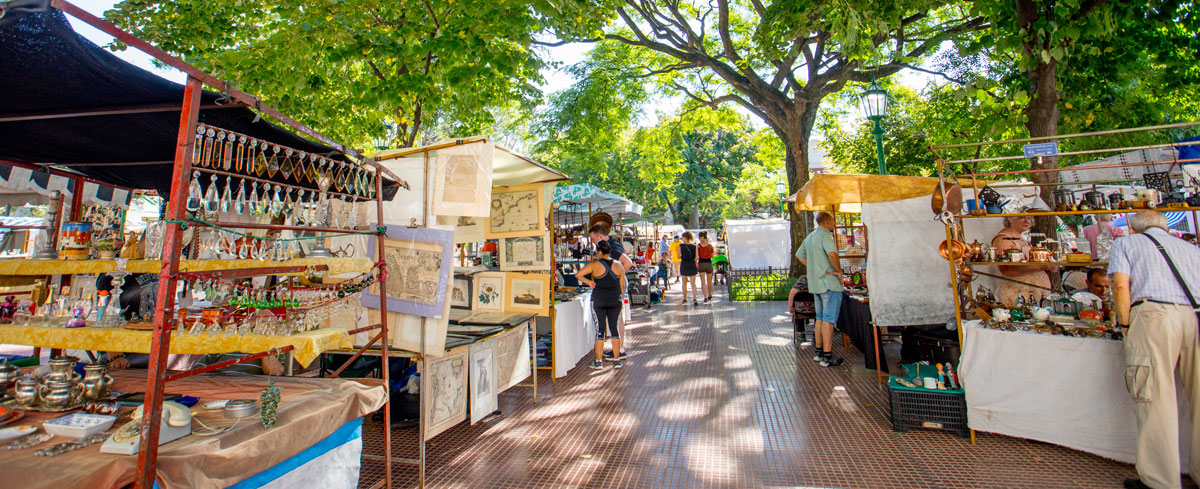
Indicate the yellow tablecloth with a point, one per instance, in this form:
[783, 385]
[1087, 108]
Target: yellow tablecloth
[308, 344]
[22, 266]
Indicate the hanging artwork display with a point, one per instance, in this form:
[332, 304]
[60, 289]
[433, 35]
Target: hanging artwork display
[483, 385]
[525, 253]
[517, 211]
[462, 180]
[460, 292]
[528, 292]
[488, 291]
[466, 229]
[445, 391]
[512, 358]
[418, 270]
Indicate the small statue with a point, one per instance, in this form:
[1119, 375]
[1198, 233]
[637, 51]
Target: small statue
[7, 309]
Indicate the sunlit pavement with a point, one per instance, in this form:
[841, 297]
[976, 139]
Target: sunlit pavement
[716, 395]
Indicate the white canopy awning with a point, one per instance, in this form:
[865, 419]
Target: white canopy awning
[585, 197]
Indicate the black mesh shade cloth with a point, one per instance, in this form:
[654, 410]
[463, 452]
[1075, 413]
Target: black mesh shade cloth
[45, 66]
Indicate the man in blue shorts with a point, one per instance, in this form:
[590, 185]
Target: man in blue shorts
[819, 254]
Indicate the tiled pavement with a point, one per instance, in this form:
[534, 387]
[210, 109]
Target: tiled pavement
[718, 396]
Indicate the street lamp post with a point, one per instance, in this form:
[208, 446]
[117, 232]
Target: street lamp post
[781, 189]
[875, 105]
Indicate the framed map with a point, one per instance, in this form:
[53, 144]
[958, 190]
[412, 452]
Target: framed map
[517, 211]
[525, 253]
[513, 360]
[445, 391]
[488, 291]
[466, 229]
[462, 180]
[483, 385]
[528, 292]
[418, 270]
[460, 292]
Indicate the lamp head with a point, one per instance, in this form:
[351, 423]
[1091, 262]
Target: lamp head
[874, 102]
[780, 187]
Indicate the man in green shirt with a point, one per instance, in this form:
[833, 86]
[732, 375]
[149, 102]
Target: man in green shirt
[819, 254]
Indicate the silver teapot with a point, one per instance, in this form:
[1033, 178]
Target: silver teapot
[28, 393]
[8, 374]
[62, 368]
[96, 382]
[59, 394]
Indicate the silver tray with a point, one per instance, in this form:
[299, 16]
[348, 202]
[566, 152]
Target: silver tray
[43, 409]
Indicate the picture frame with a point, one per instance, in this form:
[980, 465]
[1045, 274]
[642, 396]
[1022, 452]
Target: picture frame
[460, 291]
[467, 229]
[519, 210]
[488, 291]
[446, 389]
[524, 253]
[484, 383]
[418, 268]
[462, 180]
[512, 358]
[527, 292]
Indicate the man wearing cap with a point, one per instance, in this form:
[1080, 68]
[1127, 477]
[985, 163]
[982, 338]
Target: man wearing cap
[1155, 278]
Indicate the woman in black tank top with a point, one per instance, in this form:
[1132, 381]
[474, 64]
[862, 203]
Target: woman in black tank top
[608, 290]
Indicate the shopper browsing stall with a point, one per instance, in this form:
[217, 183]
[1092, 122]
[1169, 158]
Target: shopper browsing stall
[1155, 281]
[1098, 283]
[819, 254]
[608, 284]
[1024, 281]
[705, 265]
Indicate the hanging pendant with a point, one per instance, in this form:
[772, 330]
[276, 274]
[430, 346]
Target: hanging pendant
[194, 193]
[287, 166]
[240, 205]
[301, 169]
[241, 154]
[260, 161]
[264, 206]
[227, 196]
[254, 208]
[210, 197]
[273, 163]
[198, 144]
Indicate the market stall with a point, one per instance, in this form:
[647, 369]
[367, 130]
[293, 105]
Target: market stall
[232, 274]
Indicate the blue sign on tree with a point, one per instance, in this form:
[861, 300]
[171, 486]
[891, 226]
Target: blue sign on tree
[1041, 149]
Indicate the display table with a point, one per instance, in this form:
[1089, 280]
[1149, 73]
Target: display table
[854, 320]
[310, 413]
[574, 333]
[1056, 389]
[307, 345]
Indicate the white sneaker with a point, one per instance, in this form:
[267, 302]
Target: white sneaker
[817, 357]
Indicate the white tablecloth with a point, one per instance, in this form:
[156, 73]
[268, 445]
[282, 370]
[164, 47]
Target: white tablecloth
[574, 333]
[1056, 389]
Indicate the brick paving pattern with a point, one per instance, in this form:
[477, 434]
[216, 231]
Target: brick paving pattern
[718, 396]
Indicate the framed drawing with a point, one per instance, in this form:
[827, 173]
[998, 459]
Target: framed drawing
[460, 292]
[483, 380]
[462, 180]
[512, 358]
[466, 229]
[527, 292]
[517, 211]
[525, 253]
[446, 386]
[418, 268]
[488, 291]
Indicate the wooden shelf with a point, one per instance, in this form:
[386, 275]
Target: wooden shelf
[30, 267]
[1055, 263]
[1080, 213]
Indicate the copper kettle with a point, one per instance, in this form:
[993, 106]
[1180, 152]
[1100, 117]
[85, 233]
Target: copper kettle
[1039, 253]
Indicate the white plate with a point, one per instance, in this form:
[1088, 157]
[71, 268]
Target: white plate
[16, 431]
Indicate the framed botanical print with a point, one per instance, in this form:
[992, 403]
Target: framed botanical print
[517, 211]
[525, 253]
[418, 270]
[528, 292]
[487, 293]
[462, 180]
[460, 292]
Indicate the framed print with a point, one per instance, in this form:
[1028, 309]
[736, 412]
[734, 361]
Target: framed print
[446, 386]
[528, 292]
[525, 253]
[418, 268]
[460, 292]
[517, 211]
[462, 180]
[466, 229]
[512, 358]
[488, 291]
[483, 385]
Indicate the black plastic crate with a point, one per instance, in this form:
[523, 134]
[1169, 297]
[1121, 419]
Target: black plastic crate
[920, 408]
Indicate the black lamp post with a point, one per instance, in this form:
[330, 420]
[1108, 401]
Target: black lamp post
[875, 104]
[781, 189]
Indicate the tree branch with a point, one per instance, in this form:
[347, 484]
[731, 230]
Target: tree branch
[375, 69]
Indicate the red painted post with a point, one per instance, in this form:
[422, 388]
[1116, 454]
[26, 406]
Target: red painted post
[167, 281]
[383, 333]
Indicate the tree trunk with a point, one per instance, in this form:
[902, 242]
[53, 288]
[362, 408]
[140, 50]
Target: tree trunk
[694, 218]
[794, 134]
[1041, 114]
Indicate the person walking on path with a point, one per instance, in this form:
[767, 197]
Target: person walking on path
[1156, 279]
[608, 292]
[663, 270]
[819, 254]
[674, 248]
[688, 267]
[705, 253]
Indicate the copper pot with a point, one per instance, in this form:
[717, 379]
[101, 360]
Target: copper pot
[976, 250]
[1040, 254]
[956, 249]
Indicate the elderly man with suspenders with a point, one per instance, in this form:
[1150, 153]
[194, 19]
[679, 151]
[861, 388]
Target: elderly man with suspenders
[1156, 278]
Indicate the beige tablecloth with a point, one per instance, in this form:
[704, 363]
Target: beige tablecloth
[311, 410]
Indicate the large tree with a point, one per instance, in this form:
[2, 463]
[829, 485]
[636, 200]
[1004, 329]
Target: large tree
[780, 60]
[367, 72]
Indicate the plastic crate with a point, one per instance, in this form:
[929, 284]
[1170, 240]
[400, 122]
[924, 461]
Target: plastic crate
[924, 408]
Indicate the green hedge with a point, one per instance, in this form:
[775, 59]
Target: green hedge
[768, 287]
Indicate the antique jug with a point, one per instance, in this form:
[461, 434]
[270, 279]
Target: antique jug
[8, 373]
[96, 382]
[28, 392]
[59, 394]
[62, 367]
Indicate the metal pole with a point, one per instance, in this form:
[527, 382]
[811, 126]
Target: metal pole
[383, 334]
[878, 132]
[167, 281]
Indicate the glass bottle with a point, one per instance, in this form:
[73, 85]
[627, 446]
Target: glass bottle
[239, 205]
[194, 193]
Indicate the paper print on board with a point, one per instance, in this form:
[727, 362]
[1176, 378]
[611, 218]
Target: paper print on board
[418, 271]
[446, 389]
[488, 292]
[466, 229]
[462, 180]
[528, 292]
[525, 253]
[516, 211]
[512, 358]
[460, 292]
[483, 386]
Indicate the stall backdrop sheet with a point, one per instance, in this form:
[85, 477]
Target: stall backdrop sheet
[757, 243]
[908, 279]
[483, 386]
[418, 270]
[310, 410]
[308, 344]
[574, 333]
[409, 207]
[1074, 395]
[462, 180]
